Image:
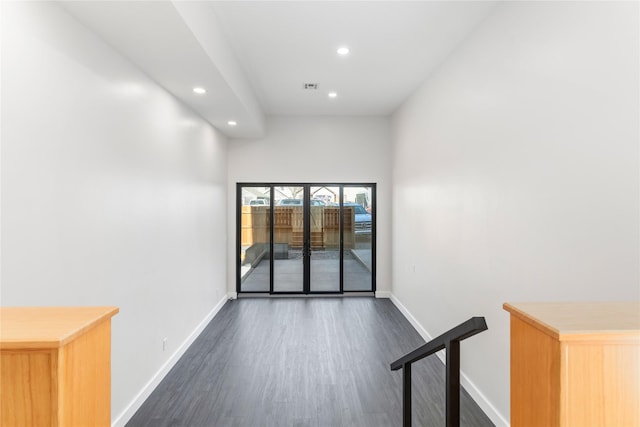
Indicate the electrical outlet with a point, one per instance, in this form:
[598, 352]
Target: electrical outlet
[164, 344]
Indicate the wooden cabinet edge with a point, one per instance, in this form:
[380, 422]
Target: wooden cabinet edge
[527, 318]
[57, 384]
[110, 311]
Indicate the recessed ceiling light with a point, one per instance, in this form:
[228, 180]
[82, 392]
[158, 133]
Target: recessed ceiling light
[199, 90]
[343, 50]
[332, 94]
[232, 123]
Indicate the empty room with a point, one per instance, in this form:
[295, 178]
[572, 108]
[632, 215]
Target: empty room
[320, 213]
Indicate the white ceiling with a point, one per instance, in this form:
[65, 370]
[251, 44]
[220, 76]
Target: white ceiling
[253, 57]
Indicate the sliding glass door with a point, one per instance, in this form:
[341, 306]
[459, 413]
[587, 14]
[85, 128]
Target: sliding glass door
[358, 247]
[305, 238]
[324, 262]
[254, 242]
[288, 237]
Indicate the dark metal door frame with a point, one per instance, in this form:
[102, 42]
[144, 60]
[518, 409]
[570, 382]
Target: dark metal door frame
[306, 250]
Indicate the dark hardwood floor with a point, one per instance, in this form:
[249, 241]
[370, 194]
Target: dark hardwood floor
[302, 362]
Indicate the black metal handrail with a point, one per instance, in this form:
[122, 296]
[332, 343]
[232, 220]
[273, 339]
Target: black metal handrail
[450, 341]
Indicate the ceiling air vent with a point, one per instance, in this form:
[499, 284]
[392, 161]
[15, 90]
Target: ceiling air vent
[310, 86]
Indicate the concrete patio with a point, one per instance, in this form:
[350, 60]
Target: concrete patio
[325, 272]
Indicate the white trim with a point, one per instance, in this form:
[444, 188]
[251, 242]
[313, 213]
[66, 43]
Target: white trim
[383, 294]
[148, 388]
[232, 295]
[492, 412]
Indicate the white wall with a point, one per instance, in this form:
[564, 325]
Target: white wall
[516, 175]
[317, 149]
[113, 193]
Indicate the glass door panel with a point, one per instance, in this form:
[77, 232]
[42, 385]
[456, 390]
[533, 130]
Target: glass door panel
[358, 238]
[324, 239]
[306, 238]
[255, 239]
[288, 239]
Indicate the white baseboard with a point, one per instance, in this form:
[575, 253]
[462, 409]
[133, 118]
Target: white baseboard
[146, 391]
[417, 326]
[383, 294]
[492, 412]
[232, 295]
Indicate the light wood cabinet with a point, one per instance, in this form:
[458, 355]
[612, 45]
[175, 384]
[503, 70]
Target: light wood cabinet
[575, 364]
[55, 366]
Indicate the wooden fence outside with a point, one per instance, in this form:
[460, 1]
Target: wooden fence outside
[288, 226]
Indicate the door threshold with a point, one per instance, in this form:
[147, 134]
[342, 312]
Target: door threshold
[267, 295]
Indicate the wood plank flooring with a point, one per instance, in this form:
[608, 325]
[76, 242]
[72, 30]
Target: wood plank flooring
[302, 362]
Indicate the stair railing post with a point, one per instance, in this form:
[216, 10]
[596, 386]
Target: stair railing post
[453, 384]
[449, 341]
[406, 395]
